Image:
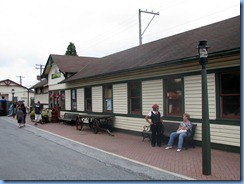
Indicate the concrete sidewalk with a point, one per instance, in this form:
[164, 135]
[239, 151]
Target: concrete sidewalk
[225, 165]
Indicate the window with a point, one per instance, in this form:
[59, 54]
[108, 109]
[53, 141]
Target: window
[73, 100]
[135, 97]
[174, 100]
[54, 99]
[62, 100]
[51, 101]
[230, 95]
[88, 99]
[108, 98]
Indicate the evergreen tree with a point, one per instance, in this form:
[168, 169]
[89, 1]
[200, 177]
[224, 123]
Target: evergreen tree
[71, 50]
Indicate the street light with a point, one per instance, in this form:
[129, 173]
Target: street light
[206, 147]
[12, 91]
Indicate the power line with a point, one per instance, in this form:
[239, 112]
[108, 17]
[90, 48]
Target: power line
[193, 20]
[116, 30]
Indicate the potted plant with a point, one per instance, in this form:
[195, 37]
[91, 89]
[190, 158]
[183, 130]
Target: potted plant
[32, 115]
[45, 116]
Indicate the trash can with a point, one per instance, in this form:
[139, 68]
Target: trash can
[54, 115]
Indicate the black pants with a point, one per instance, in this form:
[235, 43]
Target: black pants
[156, 134]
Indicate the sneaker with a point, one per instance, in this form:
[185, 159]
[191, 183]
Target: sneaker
[178, 150]
[168, 147]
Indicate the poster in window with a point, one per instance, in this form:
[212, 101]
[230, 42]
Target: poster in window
[73, 95]
[109, 104]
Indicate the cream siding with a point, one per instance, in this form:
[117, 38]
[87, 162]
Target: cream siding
[97, 99]
[221, 134]
[152, 92]
[80, 99]
[127, 123]
[120, 98]
[43, 98]
[67, 100]
[225, 134]
[193, 96]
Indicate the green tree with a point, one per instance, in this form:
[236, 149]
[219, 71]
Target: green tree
[71, 50]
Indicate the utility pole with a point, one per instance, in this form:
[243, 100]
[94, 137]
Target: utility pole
[41, 67]
[20, 79]
[140, 34]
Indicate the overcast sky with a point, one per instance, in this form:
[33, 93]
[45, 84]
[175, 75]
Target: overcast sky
[31, 30]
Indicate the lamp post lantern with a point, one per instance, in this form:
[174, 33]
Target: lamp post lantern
[206, 147]
[12, 91]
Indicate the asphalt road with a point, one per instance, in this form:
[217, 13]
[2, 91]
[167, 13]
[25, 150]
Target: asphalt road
[32, 154]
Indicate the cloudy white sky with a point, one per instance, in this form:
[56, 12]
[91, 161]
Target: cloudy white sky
[30, 30]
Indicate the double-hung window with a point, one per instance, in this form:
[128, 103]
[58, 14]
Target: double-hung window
[73, 100]
[174, 98]
[230, 95]
[135, 97]
[108, 98]
[62, 100]
[88, 99]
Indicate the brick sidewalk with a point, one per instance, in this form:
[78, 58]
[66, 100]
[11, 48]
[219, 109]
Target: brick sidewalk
[225, 165]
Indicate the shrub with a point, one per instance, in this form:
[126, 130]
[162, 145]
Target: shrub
[32, 115]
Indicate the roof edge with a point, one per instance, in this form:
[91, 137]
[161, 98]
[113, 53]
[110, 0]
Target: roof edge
[166, 63]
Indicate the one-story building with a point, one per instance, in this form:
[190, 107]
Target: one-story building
[21, 93]
[166, 72]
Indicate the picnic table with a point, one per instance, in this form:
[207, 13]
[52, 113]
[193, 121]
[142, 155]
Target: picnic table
[96, 122]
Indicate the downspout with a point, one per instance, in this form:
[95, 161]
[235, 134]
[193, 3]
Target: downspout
[28, 97]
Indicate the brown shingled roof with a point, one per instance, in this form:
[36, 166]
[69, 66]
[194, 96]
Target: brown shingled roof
[42, 83]
[221, 36]
[71, 64]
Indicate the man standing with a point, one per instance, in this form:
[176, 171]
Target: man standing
[38, 109]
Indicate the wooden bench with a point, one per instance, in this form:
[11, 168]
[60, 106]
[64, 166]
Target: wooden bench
[69, 118]
[168, 128]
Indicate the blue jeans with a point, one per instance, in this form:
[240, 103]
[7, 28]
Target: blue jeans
[173, 135]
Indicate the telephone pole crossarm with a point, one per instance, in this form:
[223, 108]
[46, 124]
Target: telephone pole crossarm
[20, 79]
[140, 34]
[41, 68]
[149, 12]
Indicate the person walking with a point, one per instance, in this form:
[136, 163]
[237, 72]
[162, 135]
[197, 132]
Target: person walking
[19, 116]
[156, 125]
[184, 130]
[23, 108]
[14, 109]
[38, 109]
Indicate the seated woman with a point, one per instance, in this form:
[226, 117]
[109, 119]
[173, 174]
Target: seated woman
[184, 130]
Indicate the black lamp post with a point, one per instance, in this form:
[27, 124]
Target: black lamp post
[12, 91]
[206, 147]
